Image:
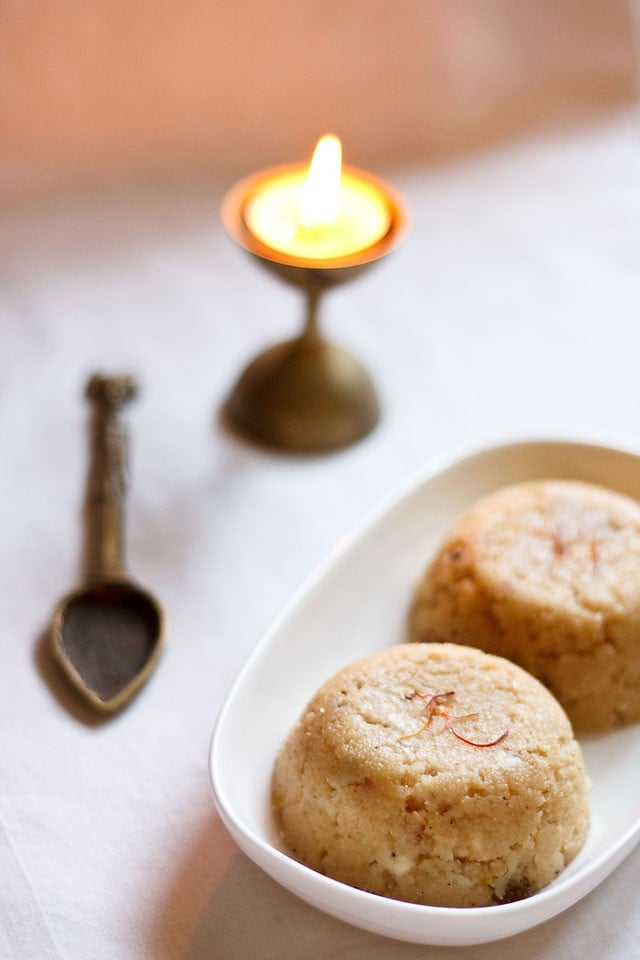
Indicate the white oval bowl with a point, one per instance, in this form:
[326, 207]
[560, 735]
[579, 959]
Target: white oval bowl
[357, 602]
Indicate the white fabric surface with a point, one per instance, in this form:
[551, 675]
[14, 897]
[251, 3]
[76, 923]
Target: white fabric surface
[511, 310]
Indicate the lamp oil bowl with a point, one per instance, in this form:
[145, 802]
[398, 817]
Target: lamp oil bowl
[314, 228]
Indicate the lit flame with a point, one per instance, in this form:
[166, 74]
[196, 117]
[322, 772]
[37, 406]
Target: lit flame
[320, 199]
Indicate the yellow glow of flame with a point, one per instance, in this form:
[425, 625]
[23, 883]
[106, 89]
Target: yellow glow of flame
[319, 213]
[320, 199]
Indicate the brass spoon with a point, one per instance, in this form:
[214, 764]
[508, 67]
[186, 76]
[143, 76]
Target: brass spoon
[108, 634]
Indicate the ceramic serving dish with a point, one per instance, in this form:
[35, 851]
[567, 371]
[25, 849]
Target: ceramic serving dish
[357, 602]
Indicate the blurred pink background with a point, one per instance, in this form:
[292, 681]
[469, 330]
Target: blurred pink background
[97, 90]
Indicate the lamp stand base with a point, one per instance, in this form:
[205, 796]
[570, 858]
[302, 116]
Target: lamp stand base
[305, 396]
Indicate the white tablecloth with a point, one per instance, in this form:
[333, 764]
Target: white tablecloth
[513, 309]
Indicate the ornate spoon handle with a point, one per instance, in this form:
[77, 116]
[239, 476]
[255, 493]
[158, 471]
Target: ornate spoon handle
[107, 478]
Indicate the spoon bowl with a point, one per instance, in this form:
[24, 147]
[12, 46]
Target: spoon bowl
[108, 638]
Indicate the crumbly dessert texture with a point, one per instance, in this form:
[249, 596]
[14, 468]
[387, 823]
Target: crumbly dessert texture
[546, 574]
[370, 791]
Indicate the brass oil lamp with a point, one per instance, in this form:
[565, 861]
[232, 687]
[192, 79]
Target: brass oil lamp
[314, 228]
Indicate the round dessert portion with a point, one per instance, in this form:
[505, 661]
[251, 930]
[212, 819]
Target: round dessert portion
[436, 774]
[546, 574]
